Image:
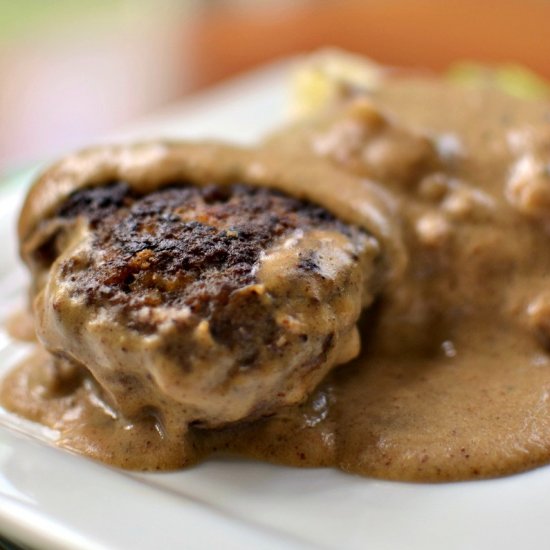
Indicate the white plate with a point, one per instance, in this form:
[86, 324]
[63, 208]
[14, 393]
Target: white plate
[52, 499]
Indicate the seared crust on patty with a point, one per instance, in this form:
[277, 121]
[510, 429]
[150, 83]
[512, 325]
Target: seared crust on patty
[215, 301]
[186, 246]
[149, 166]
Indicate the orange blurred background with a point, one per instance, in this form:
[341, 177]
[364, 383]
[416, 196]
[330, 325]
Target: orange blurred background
[81, 69]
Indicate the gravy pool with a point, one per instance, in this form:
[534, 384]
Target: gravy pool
[453, 381]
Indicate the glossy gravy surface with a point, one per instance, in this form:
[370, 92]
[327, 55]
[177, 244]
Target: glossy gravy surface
[453, 381]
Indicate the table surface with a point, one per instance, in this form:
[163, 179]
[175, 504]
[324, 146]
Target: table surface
[420, 33]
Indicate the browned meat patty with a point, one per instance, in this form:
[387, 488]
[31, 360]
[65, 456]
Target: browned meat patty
[189, 248]
[231, 301]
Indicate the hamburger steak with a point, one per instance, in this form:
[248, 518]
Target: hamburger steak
[222, 303]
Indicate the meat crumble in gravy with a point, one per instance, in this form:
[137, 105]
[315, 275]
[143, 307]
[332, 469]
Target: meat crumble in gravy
[453, 378]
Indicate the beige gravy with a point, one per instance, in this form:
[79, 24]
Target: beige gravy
[454, 378]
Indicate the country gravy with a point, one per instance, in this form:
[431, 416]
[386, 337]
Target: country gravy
[453, 381]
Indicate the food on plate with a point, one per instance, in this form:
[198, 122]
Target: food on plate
[180, 296]
[233, 300]
[193, 299]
